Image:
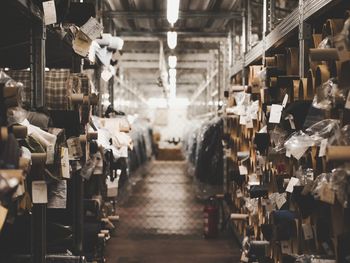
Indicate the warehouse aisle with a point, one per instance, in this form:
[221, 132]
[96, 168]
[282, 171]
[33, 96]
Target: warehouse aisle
[161, 221]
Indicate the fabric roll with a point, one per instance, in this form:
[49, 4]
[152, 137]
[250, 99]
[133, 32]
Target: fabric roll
[280, 62]
[322, 75]
[292, 61]
[332, 27]
[311, 89]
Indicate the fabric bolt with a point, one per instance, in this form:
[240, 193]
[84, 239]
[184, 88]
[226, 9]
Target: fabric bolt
[38, 119]
[23, 76]
[9, 153]
[56, 91]
[42, 136]
[32, 144]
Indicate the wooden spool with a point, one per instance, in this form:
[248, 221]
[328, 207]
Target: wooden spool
[322, 75]
[310, 84]
[88, 137]
[19, 131]
[338, 153]
[38, 158]
[80, 98]
[292, 61]
[332, 27]
[323, 54]
[4, 134]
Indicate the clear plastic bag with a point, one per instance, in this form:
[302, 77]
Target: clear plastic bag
[340, 181]
[298, 143]
[323, 129]
[341, 137]
[325, 43]
[278, 137]
[328, 95]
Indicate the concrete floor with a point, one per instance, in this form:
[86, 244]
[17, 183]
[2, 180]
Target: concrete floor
[161, 221]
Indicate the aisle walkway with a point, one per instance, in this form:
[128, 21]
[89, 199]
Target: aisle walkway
[161, 221]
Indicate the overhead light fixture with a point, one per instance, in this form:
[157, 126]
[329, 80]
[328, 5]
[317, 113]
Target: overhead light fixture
[172, 13]
[172, 39]
[172, 90]
[172, 61]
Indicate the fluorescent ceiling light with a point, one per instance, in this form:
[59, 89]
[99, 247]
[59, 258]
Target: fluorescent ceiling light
[172, 61]
[172, 39]
[172, 13]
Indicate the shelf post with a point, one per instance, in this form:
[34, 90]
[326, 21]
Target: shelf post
[304, 36]
[37, 63]
[37, 71]
[244, 43]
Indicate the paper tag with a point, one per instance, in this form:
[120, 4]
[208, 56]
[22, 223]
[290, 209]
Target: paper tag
[49, 12]
[327, 194]
[81, 46]
[286, 247]
[242, 120]
[243, 170]
[65, 163]
[92, 28]
[298, 152]
[290, 118]
[249, 123]
[3, 214]
[275, 113]
[74, 148]
[292, 182]
[323, 148]
[285, 101]
[307, 230]
[239, 193]
[280, 200]
[288, 154]
[39, 192]
[106, 75]
[347, 104]
[244, 258]
[50, 154]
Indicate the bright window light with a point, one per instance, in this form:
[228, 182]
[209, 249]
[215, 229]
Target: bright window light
[179, 103]
[172, 39]
[172, 61]
[157, 103]
[172, 73]
[172, 13]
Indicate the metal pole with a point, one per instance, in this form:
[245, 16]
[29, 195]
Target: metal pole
[249, 24]
[272, 12]
[244, 43]
[37, 66]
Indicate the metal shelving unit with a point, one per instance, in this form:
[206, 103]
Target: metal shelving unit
[284, 29]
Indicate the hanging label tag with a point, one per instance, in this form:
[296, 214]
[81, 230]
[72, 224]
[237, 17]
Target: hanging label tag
[347, 104]
[285, 101]
[39, 192]
[3, 214]
[323, 148]
[239, 193]
[49, 12]
[243, 170]
[288, 154]
[280, 200]
[50, 154]
[74, 148]
[275, 113]
[244, 258]
[92, 28]
[65, 173]
[242, 120]
[249, 123]
[292, 182]
[307, 230]
[106, 75]
[286, 247]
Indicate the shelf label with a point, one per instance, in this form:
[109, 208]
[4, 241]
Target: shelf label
[39, 192]
[323, 148]
[49, 12]
[275, 113]
[292, 182]
[65, 169]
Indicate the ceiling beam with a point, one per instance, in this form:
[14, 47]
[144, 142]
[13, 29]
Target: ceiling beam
[182, 15]
[155, 57]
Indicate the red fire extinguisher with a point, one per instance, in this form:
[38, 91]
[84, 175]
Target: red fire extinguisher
[211, 218]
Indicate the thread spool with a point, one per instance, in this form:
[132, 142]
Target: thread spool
[322, 75]
[236, 216]
[19, 131]
[292, 61]
[296, 92]
[338, 153]
[88, 137]
[280, 62]
[332, 27]
[38, 158]
[4, 134]
[304, 93]
[310, 83]
[80, 98]
[317, 39]
[270, 62]
[323, 54]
